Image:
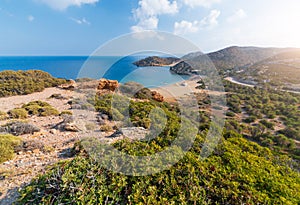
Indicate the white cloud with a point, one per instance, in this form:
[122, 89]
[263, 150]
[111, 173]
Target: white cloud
[184, 27]
[80, 21]
[211, 20]
[239, 14]
[203, 3]
[64, 4]
[148, 11]
[208, 22]
[146, 24]
[30, 18]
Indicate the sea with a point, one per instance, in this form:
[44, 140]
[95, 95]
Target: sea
[110, 67]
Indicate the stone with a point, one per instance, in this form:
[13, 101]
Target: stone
[133, 133]
[71, 85]
[107, 86]
[157, 96]
[71, 127]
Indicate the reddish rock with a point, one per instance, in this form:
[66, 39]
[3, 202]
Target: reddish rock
[107, 86]
[157, 96]
[71, 85]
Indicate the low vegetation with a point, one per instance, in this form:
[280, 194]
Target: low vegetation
[26, 82]
[18, 113]
[7, 145]
[19, 128]
[40, 108]
[238, 172]
[269, 117]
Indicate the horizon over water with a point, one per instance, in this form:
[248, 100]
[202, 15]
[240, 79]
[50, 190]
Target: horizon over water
[69, 67]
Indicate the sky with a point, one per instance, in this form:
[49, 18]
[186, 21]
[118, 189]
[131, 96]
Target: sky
[78, 27]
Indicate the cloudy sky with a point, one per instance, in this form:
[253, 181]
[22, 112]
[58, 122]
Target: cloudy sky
[78, 27]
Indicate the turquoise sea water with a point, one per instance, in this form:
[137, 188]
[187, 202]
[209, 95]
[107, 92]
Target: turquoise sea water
[114, 68]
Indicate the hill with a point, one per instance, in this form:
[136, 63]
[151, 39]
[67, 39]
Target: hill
[156, 61]
[231, 58]
[280, 70]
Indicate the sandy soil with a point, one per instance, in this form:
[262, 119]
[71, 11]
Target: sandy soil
[184, 88]
[9, 103]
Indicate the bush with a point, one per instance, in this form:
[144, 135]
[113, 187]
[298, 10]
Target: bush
[230, 114]
[48, 111]
[40, 108]
[19, 128]
[18, 113]
[26, 82]
[7, 145]
[250, 119]
[30, 145]
[106, 128]
[3, 115]
[238, 173]
[90, 126]
[66, 112]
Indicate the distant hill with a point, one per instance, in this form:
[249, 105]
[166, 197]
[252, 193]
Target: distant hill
[234, 57]
[281, 69]
[156, 61]
[279, 66]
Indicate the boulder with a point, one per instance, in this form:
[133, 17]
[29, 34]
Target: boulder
[107, 86]
[157, 96]
[71, 127]
[71, 85]
[132, 133]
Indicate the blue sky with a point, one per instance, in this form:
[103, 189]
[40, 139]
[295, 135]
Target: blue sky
[78, 27]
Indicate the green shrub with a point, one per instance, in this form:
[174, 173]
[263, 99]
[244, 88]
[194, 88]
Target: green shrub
[18, 113]
[26, 82]
[40, 108]
[66, 112]
[239, 172]
[3, 115]
[48, 111]
[7, 145]
[90, 126]
[106, 128]
[250, 119]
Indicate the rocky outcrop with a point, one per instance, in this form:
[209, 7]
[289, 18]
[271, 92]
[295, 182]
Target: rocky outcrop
[156, 61]
[71, 85]
[107, 86]
[133, 133]
[67, 124]
[157, 96]
[182, 68]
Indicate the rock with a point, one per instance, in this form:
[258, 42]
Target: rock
[133, 133]
[71, 127]
[107, 86]
[157, 96]
[71, 85]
